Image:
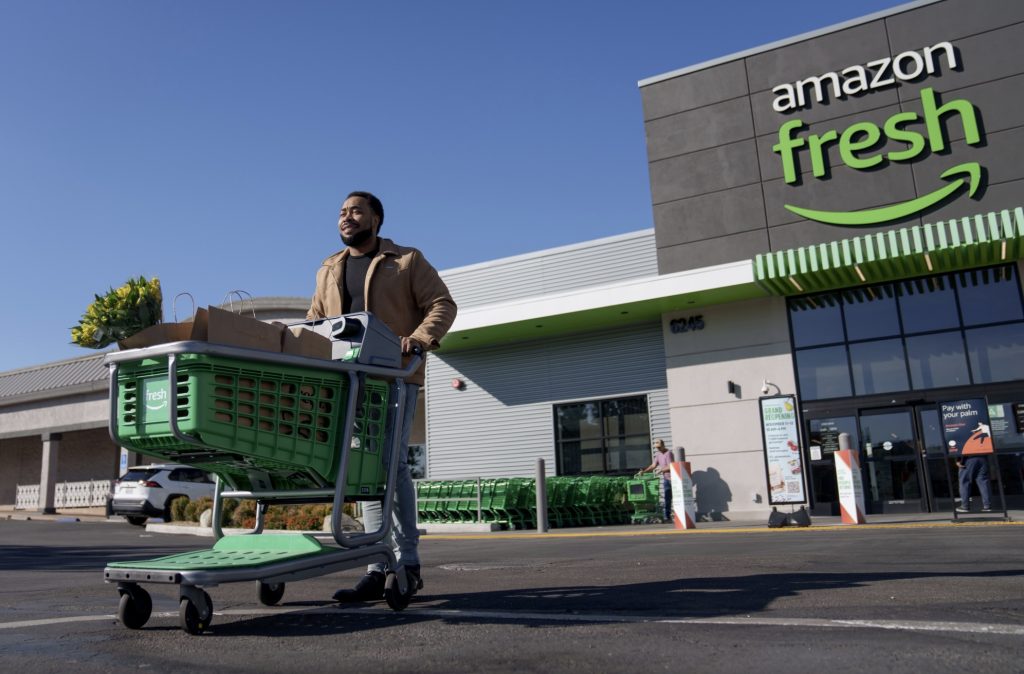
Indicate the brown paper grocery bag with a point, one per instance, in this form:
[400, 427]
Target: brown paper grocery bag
[162, 333]
[302, 342]
[226, 327]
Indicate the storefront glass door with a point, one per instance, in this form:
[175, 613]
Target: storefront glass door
[890, 460]
[939, 467]
[904, 465]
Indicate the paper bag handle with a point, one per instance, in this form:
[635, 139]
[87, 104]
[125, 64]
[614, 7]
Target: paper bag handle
[174, 305]
[241, 295]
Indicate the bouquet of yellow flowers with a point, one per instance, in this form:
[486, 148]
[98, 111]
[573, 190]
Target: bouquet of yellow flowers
[119, 314]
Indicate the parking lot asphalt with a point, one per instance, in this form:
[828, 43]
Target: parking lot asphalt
[467, 530]
[896, 596]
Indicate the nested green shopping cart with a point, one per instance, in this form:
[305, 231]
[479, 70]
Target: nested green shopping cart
[643, 493]
[274, 428]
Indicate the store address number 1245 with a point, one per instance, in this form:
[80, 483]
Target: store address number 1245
[688, 324]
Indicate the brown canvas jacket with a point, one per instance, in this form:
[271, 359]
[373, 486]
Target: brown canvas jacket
[402, 289]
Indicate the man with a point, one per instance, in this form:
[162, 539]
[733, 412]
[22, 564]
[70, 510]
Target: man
[402, 289]
[973, 464]
[660, 465]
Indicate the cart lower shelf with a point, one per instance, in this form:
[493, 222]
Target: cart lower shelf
[230, 552]
[269, 559]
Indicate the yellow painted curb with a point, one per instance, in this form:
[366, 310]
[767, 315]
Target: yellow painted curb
[686, 532]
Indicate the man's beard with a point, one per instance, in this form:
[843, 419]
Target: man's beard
[358, 238]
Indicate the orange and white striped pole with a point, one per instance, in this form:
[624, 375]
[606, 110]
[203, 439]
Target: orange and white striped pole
[684, 507]
[851, 489]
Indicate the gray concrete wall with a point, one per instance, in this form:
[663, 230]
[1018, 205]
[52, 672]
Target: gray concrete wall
[21, 459]
[87, 455]
[742, 342]
[58, 415]
[718, 190]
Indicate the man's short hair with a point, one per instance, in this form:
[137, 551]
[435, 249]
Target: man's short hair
[378, 208]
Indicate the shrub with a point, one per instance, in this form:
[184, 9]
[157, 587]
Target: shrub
[190, 512]
[307, 517]
[227, 511]
[205, 503]
[178, 506]
[244, 515]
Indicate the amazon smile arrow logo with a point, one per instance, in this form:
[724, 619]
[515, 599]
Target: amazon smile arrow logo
[969, 175]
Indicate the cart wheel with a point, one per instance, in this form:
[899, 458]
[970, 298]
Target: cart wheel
[270, 594]
[134, 608]
[189, 615]
[394, 597]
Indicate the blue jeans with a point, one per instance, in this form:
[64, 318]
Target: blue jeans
[975, 470]
[666, 485]
[404, 533]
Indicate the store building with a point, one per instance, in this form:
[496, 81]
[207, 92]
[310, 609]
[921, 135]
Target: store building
[837, 216]
[871, 171]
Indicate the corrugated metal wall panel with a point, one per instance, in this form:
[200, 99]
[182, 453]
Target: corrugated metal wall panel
[52, 376]
[661, 426]
[589, 264]
[503, 420]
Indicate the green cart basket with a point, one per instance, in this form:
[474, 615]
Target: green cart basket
[643, 494]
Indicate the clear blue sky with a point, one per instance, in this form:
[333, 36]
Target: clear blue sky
[211, 143]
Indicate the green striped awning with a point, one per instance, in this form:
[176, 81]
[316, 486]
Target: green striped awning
[900, 253]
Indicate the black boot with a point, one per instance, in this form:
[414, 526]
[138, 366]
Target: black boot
[369, 588]
[412, 573]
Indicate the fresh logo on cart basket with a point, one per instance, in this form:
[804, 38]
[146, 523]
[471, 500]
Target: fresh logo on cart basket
[156, 398]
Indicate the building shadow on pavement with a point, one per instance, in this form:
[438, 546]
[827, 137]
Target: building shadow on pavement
[680, 599]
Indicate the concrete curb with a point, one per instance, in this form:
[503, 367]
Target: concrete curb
[192, 529]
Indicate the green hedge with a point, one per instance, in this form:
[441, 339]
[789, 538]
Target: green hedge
[242, 514]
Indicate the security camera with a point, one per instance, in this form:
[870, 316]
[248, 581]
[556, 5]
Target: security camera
[764, 388]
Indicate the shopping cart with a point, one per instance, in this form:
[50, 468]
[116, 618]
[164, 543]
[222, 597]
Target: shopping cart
[275, 428]
[642, 491]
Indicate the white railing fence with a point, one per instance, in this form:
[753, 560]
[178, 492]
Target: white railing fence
[26, 497]
[83, 494]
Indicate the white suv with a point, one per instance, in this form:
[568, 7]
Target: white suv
[147, 491]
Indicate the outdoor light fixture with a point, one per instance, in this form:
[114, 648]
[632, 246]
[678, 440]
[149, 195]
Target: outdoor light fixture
[458, 384]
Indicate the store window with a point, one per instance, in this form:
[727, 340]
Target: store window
[989, 296]
[602, 436]
[823, 373]
[870, 313]
[937, 360]
[878, 366]
[996, 353]
[939, 331]
[926, 305]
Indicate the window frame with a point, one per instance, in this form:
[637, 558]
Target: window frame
[837, 298]
[599, 405]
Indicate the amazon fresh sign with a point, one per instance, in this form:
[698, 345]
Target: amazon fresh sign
[858, 145]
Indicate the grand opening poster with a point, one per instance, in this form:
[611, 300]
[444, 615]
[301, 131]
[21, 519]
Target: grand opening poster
[782, 456]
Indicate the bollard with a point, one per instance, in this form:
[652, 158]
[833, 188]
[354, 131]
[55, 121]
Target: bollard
[479, 504]
[542, 499]
[844, 441]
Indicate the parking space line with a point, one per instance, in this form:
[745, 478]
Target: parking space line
[528, 616]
